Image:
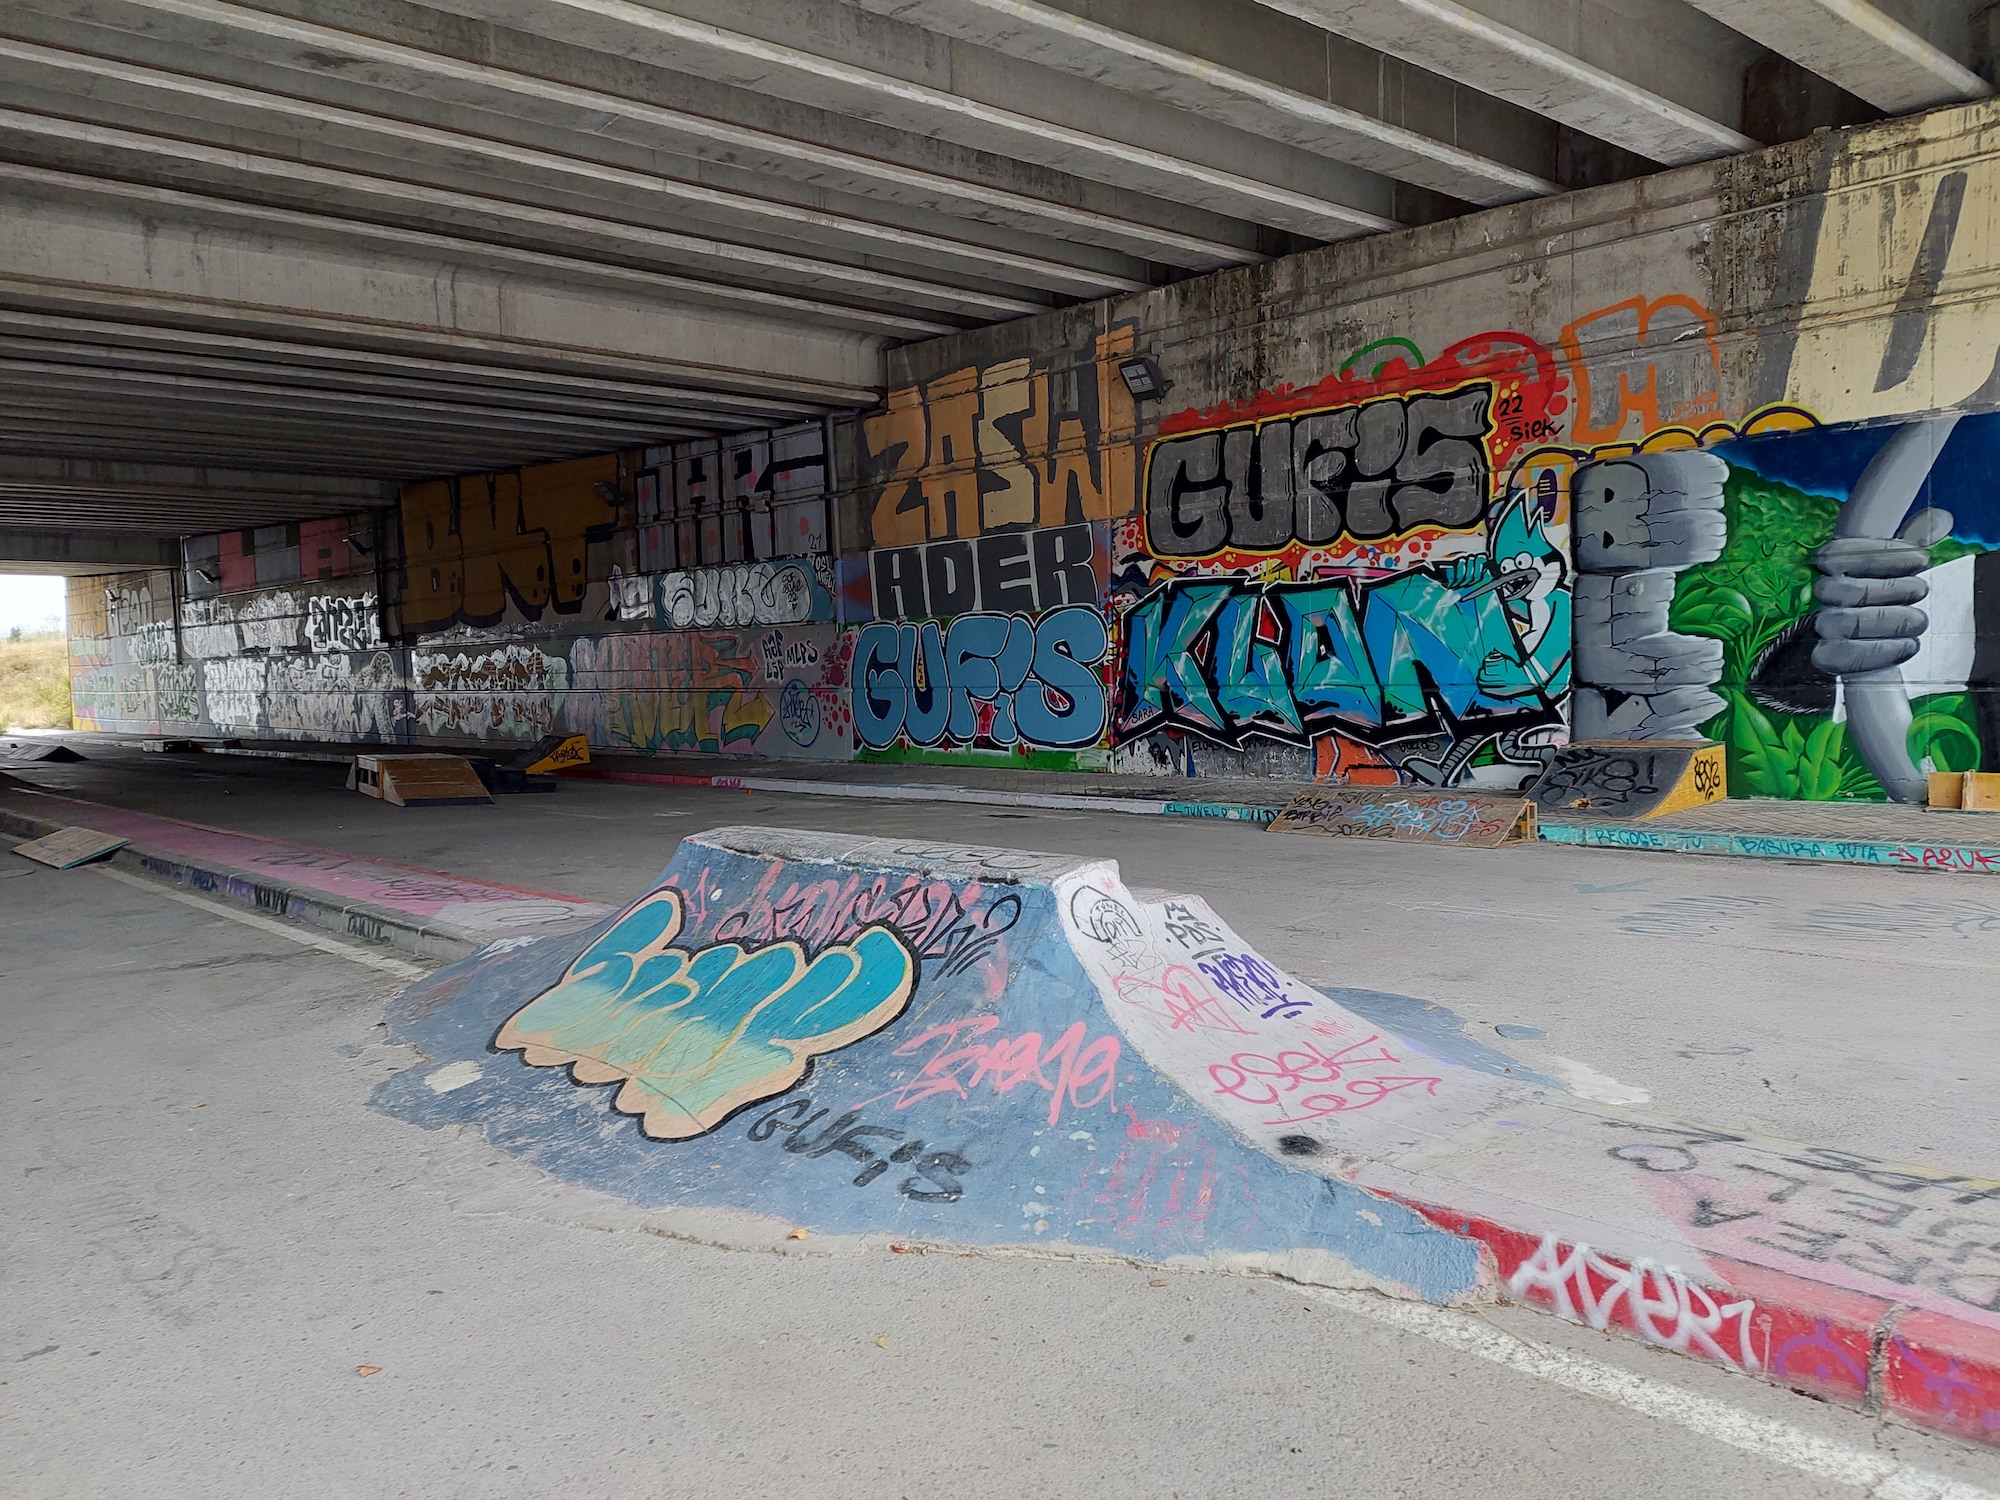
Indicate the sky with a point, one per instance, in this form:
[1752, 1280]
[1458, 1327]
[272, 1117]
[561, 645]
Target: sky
[33, 603]
[1828, 461]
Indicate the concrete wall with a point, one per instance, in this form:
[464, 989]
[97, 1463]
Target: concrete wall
[490, 609]
[1417, 508]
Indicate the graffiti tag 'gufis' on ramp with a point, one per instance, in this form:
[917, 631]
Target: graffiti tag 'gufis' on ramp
[986, 1047]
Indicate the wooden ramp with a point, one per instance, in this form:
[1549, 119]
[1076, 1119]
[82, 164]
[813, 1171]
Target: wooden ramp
[23, 751]
[1631, 779]
[1409, 815]
[67, 848]
[553, 752]
[419, 780]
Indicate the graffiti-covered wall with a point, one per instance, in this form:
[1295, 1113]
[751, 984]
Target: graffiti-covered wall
[275, 631]
[1421, 509]
[667, 600]
[1697, 455]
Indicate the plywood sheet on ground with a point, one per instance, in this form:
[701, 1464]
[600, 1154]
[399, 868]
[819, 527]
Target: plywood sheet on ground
[68, 847]
[1409, 816]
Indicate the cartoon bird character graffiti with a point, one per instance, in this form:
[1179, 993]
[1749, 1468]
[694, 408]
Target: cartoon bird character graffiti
[1525, 569]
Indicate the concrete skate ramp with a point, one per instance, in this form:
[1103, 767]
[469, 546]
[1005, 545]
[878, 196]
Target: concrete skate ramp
[889, 1043]
[947, 1044]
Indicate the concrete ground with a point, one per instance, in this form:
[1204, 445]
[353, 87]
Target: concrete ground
[1843, 1006]
[211, 1235]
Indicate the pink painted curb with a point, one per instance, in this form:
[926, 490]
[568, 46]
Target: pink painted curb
[1925, 1368]
[428, 911]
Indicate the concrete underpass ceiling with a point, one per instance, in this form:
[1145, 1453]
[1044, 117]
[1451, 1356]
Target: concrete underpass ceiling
[260, 259]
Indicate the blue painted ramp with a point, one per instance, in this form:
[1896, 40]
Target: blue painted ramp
[949, 1045]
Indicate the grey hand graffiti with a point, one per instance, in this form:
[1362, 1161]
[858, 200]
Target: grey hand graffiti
[1652, 510]
[1637, 521]
[1867, 595]
[1665, 715]
[1638, 680]
[1878, 702]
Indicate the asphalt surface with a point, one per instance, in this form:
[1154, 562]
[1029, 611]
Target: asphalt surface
[1840, 1006]
[211, 1235]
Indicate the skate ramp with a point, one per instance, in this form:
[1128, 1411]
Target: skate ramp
[872, 1042]
[952, 1045]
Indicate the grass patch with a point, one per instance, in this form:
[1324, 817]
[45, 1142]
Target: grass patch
[34, 683]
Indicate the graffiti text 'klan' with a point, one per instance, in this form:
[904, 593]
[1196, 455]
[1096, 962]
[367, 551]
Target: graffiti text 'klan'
[1379, 659]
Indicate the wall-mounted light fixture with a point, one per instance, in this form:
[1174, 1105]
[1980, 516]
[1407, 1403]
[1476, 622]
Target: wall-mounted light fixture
[205, 575]
[1143, 379]
[360, 544]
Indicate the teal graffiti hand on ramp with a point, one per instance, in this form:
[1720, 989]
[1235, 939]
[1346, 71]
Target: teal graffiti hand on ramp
[695, 1035]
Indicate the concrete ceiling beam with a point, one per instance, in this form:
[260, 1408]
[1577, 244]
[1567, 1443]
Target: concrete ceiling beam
[790, 72]
[78, 553]
[413, 145]
[111, 443]
[351, 452]
[333, 59]
[41, 380]
[331, 233]
[692, 258]
[18, 471]
[83, 245]
[1087, 49]
[114, 340]
[350, 334]
[1856, 45]
[310, 432]
[1467, 42]
[97, 361]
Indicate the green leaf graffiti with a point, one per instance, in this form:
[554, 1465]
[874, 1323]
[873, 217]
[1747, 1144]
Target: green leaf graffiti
[1946, 732]
[1747, 598]
[1819, 768]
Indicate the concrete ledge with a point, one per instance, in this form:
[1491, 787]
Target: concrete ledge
[355, 919]
[1962, 858]
[1236, 812]
[1924, 1368]
[1953, 856]
[359, 920]
[427, 913]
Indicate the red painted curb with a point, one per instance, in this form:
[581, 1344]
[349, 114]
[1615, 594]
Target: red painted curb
[1924, 1368]
[1943, 1373]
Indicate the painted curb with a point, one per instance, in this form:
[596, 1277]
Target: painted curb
[1964, 859]
[1886, 1359]
[359, 920]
